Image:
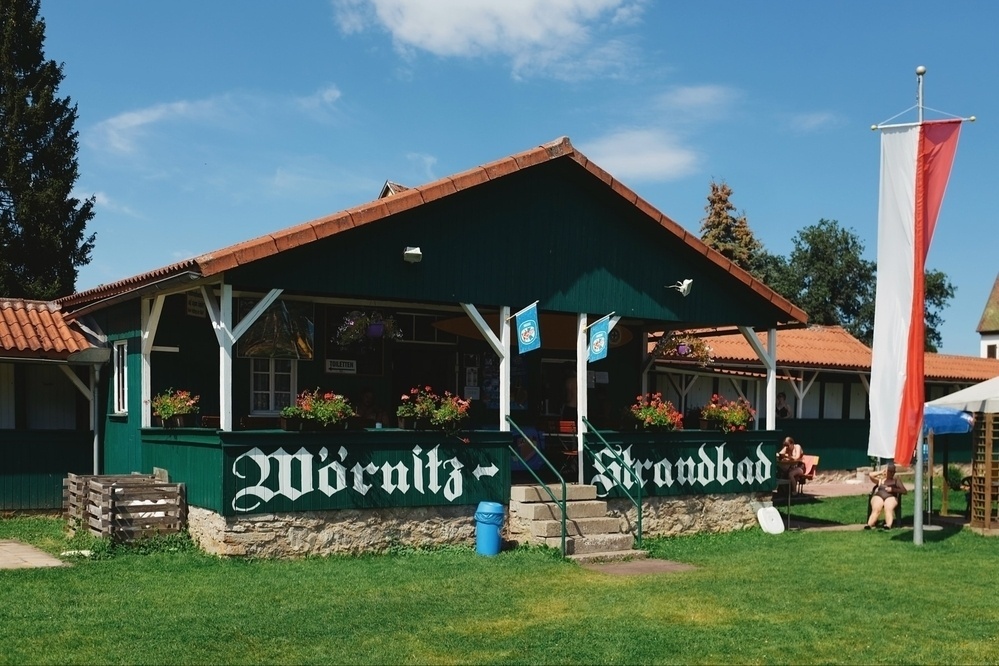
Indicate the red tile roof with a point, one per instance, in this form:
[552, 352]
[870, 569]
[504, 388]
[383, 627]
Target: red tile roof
[219, 261]
[36, 329]
[820, 347]
[833, 348]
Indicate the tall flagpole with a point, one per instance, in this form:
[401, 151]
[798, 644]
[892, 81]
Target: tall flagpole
[917, 516]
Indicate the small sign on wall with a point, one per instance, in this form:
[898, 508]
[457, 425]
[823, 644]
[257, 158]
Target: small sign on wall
[196, 306]
[340, 366]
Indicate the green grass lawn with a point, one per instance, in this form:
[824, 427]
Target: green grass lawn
[801, 597]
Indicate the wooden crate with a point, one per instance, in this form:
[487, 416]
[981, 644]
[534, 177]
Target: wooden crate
[125, 507]
[76, 492]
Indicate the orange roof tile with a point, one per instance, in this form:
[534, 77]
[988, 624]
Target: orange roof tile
[213, 263]
[944, 367]
[833, 348]
[36, 329]
[829, 347]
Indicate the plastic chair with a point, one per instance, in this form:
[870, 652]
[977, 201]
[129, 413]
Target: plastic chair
[811, 464]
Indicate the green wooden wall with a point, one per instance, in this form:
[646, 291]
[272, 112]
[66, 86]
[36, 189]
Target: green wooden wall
[191, 456]
[35, 462]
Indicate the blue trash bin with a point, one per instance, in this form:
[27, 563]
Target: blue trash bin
[488, 523]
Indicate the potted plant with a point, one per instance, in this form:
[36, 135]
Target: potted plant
[449, 413]
[727, 415]
[417, 407]
[359, 327]
[683, 347]
[173, 407]
[315, 410]
[654, 413]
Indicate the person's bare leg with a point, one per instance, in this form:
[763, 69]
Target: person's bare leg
[890, 505]
[876, 505]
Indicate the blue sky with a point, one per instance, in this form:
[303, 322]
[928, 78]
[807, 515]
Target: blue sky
[203, 124]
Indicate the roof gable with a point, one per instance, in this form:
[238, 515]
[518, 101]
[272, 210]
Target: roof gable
[271, 245]
[989, 322]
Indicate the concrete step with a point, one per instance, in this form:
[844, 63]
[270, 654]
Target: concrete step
[576, 527]
[600, 543]
[612, 556]
[549, 511]
[537, 493]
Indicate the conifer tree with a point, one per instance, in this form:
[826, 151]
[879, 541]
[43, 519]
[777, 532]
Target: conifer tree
[727, 233]
[42, 226]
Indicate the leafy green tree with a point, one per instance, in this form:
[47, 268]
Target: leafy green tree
[938, 292]
[727, 233]
[828, 278]
[42, 225]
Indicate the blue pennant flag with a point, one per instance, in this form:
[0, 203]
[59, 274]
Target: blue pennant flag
[598, 340]
[528, 329]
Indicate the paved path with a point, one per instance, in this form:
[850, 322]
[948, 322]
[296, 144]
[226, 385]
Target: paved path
[17, 555]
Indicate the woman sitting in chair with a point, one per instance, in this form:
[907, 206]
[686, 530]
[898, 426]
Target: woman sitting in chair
[885, 496]
[791, 466]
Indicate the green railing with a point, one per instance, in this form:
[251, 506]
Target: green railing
[620, 461]
[561, 503]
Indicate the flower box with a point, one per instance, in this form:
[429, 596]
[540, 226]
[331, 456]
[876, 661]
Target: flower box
[709, 424]
[297, 424]
[176, 421]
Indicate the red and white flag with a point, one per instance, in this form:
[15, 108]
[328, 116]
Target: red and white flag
[915, 166]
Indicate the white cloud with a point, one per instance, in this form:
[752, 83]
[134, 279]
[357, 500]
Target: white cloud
[120, 134]
[317, 178]
[642, 155]
[702, 102]
[103, 201]
[324, 98]
[804, 123]
[536, 35]
[424, 165]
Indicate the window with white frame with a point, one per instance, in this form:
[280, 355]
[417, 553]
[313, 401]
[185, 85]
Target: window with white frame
[273, 382]
[119, 377]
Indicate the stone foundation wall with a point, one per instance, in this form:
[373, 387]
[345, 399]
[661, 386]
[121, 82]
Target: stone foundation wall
[352, 532]
[689, 514]
[298, 534]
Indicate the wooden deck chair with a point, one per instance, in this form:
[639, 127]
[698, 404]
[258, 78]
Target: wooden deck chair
[811, 464]
[562, 433]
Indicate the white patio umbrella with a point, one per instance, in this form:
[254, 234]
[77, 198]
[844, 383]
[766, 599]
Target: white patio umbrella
[982, 397]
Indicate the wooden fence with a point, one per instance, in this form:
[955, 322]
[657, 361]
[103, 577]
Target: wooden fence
[124, 507]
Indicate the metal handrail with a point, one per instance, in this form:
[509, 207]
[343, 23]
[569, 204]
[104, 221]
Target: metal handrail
[620, 461]
[561, 504]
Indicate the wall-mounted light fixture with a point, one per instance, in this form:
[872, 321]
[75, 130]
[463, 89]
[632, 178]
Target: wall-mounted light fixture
[412, 255]
[682, 287]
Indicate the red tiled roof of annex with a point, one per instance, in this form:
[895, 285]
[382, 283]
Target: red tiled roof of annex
[36, 329]
[833, 348]
[213, 263]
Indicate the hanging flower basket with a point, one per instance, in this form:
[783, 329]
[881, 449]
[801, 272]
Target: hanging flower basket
[680, 346]
[360, 327]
